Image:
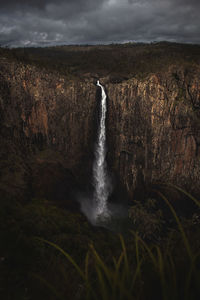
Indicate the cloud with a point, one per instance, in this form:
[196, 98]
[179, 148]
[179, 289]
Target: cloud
[51, 22]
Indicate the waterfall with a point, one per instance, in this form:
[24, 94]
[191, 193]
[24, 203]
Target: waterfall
[95, 206]
[100, 176]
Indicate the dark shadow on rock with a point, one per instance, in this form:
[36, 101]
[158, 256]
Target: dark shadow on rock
[50, 180]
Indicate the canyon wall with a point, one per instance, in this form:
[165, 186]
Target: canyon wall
[154, 129]
[48, 130]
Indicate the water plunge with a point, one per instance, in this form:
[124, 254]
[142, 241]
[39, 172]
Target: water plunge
[100, 175]
[96, 208]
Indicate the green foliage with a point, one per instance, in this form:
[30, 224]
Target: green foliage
[150, 273]
[25, 261]
[144, 271]
[147, 219]
[93, 263]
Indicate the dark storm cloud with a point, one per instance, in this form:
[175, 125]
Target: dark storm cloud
[22, 3]
[43, 22]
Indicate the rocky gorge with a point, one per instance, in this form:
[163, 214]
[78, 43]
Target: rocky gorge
[49, 117]
[48, 128]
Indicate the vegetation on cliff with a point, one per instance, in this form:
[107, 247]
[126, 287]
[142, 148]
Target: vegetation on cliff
[120, 62]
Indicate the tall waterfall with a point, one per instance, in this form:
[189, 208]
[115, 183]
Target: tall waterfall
[100, 176]
[95, 206]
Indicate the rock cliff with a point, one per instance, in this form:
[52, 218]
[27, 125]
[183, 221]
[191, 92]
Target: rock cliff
[154, 129]
[48, 130]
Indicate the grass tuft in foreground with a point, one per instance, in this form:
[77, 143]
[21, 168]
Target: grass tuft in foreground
[147, 271]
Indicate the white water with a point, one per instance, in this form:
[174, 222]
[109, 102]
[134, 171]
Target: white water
[95, 208]
[100, 176]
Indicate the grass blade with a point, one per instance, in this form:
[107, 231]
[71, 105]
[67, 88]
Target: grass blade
[197, 202]
[185, 240]
[66, 255]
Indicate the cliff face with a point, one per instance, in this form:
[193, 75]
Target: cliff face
[48, 130]
[154, 129]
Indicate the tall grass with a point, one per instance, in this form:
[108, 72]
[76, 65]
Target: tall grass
[146, 272]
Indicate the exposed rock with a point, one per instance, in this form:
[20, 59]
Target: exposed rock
[41, 111]
[153, 128]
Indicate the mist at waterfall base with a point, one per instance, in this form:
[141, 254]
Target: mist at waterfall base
[96, 207]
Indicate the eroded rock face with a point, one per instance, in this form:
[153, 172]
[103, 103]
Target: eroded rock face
[44, 118]
[48, 123]
[154, 129]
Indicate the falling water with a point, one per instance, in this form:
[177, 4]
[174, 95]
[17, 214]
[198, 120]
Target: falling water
[100, 176]
[95, 206]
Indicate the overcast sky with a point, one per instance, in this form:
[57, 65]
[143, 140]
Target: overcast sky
[54, 22]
